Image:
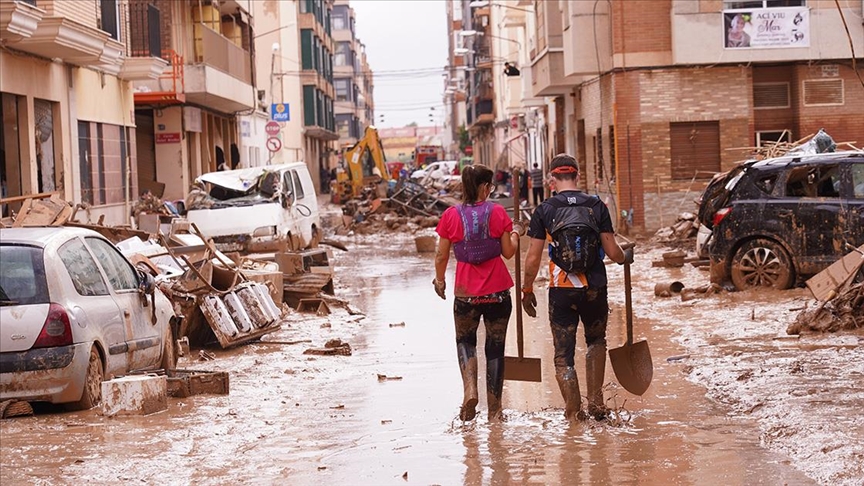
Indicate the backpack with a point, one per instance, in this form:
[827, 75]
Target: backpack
[575, 235]
[476, 246]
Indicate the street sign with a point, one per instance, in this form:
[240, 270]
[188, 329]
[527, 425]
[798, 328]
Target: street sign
[274, 144]
[272, 128]
[280, 112]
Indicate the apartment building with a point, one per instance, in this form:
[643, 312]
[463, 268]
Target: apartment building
[67, 113]
[353, 83]
[295, 70]
[656, 96]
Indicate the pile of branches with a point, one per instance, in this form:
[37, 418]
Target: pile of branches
[843, 312]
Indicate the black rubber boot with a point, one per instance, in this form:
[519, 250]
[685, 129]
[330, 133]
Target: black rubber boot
[569, 385]
[494, 387]
[595, 369]
[468, 367]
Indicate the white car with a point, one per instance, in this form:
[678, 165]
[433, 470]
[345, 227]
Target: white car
[74, 311]
[435, 170]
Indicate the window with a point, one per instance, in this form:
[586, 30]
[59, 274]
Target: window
[598, 168]
[343, 89]
[823, 92]
[309, 116]
[695, 149]
[343, 125]
[298, 187]
[120, 273]
[770, 137]
[730, 5]
[343, 54]
[110, 20]
[770, 95]
[103, 162]
[858, 181]
[766, 183]
[339, 20]
[82, 269]
[22, 276]
[814, 181]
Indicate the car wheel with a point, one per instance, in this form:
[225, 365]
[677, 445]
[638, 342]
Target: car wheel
[761, 263]
[169, 350]
[92, 394]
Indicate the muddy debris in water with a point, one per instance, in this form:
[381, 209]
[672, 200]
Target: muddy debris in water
[699, 292]
[843, 312]
[205, 356]
[388, 378]
[397, 324]
[333, 347]
[14, 408]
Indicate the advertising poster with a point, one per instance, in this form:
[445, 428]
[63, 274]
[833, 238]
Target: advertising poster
[766, 27]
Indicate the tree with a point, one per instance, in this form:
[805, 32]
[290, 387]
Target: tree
[464, 138]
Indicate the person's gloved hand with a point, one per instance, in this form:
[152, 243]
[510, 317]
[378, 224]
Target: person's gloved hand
[520, 228]
[440, 287]
[628, 256]
[529, 303]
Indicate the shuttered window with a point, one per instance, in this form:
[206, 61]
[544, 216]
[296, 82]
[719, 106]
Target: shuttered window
[306, 52]
[770, 95]
[309, 109]
[695, 149]
[822, 92]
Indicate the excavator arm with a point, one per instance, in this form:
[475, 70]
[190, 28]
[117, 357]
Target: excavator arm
[362, 159]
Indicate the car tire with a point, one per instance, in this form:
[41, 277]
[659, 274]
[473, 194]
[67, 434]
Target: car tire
[92, 394]
[169, 350]
[761, 263]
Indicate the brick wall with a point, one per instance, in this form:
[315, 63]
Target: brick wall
[642, 26]
[845, 123]
[82, 11]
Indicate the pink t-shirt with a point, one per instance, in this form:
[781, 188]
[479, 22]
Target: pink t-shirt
[488, 277]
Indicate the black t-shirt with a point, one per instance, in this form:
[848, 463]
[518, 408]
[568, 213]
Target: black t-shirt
[545, 212]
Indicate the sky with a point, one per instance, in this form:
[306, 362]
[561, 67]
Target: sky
[406, 47]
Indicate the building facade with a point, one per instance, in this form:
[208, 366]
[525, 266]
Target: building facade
[59, 63]
[655, 97]
[354, 86]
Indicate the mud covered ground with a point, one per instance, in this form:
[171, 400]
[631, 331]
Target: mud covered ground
[730, 403]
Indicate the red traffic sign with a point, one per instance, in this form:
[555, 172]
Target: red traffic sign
[274, 144]
[272, 128]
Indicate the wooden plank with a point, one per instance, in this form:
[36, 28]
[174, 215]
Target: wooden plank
[825, 284]
[22, 214]
[14, 199]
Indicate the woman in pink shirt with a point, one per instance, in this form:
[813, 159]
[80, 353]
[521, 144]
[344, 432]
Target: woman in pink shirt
[480, 233]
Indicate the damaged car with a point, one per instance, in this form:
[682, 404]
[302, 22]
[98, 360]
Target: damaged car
[257, 209]
[771, 223]
[75, 312]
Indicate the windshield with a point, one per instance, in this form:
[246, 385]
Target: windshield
[22, 276]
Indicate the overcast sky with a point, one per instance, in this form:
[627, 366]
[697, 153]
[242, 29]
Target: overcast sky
[408, 36]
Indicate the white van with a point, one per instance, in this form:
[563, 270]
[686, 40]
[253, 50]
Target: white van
[258, 209]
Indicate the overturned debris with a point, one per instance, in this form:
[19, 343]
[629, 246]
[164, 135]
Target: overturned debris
[843, 312]
[333, 347]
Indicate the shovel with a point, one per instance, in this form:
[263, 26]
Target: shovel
[632, 361]
[520, 368]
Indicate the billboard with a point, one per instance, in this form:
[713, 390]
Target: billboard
[766, 27]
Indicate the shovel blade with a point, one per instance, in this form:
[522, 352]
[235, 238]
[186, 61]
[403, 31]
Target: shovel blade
[632, 366]
[522, 369]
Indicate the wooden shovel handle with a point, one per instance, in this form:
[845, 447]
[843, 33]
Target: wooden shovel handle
[518, 268]
[628, 303]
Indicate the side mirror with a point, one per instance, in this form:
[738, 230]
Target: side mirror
[146, 283]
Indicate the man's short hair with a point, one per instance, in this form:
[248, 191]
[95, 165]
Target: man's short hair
[564, 167]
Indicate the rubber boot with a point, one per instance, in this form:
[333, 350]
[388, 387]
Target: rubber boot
[468, 367]
[494, 387]
[569, 385]
[595, 369]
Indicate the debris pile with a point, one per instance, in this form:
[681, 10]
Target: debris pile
[812, 144]
[685, 227]
[844, 312]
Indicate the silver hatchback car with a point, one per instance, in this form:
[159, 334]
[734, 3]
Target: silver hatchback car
[73, 312]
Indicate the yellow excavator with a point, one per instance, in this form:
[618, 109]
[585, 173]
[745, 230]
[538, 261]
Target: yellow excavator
[365, 166]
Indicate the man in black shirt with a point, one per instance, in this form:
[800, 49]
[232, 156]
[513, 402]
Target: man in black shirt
[574, 296]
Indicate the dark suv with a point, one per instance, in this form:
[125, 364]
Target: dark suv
[776, 220]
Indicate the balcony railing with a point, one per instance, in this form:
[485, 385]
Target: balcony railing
[145, 30]
[217, 51]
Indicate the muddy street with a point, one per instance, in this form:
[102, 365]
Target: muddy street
[388, 413]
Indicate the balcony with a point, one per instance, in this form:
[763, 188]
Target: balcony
[547, 74]
[18, 20]
[221, 77]
[62, 38]
[143, 44]
[481, 113]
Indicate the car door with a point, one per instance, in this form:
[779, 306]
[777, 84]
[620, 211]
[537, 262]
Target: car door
[144, 339]
[92, 305]
[818, 220]
[855, 226]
